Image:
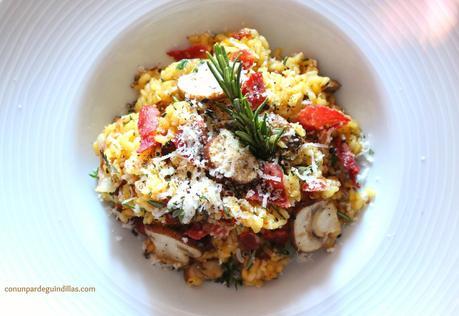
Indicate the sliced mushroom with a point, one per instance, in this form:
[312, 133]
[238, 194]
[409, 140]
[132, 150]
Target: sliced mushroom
[316, 226]
[229, 159]
[169, 246]
[303, 237]
[200, 84]
[325, 222]
[332, 86]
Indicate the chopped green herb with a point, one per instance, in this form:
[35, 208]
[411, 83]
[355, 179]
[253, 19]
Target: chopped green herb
[345, 217]
[175, 99]
[108, 165]
[127, 201]
[284, 61]
[304, 170]
[156, 204]
[371, 152]
[288, 250]
[333, 160]
[132, 207]
[203, 198]
[226, 210]
[250, 260]
[231, 274]
[179, 213]
[95, 173]
[182, 64]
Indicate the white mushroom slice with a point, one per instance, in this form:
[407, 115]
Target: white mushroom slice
[316, 226]
[304, 239]
[229, 159]
[169, 247]
[325, 222]
[200, 84]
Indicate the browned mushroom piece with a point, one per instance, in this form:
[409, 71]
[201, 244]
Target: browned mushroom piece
[169, 245]
[316, 226]
[332, 86]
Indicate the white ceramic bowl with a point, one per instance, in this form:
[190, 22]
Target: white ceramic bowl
[66, 74]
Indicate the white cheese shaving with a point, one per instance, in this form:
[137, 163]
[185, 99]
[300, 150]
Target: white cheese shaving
[165, 157]
[269, 177]
[195, 195]
[264, 202]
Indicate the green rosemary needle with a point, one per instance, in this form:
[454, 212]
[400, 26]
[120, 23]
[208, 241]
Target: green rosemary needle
[252, 129]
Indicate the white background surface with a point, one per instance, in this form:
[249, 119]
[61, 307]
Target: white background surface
[65, 69]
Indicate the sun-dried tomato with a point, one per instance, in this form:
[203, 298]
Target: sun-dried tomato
[245, 57]
[241, 34]
[273, 185]
[317, 117]
[196, 231]
[248, 241]
[147, 125]
[347, 160]
[194, 51]
[278, 237]
[254, 89]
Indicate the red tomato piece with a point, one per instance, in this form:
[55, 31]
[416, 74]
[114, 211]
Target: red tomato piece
[278, 237]
[241, 34]
[196, 232]
[275, 174]
[254, 89]
[347, 160]
[277, 198]
[248, 241]
[317, 117]
[281, 201]
[219, 229]
[246, 58]
[194, 51]
[147, 125]
[171, 220]
[273, 183]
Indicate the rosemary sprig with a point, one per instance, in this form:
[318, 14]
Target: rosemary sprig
[252, 130]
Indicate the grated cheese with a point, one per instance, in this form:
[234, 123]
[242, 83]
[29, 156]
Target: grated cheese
[196, 195]
[191, 146]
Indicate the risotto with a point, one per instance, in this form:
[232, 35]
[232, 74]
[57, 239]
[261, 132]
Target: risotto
[232, 161]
